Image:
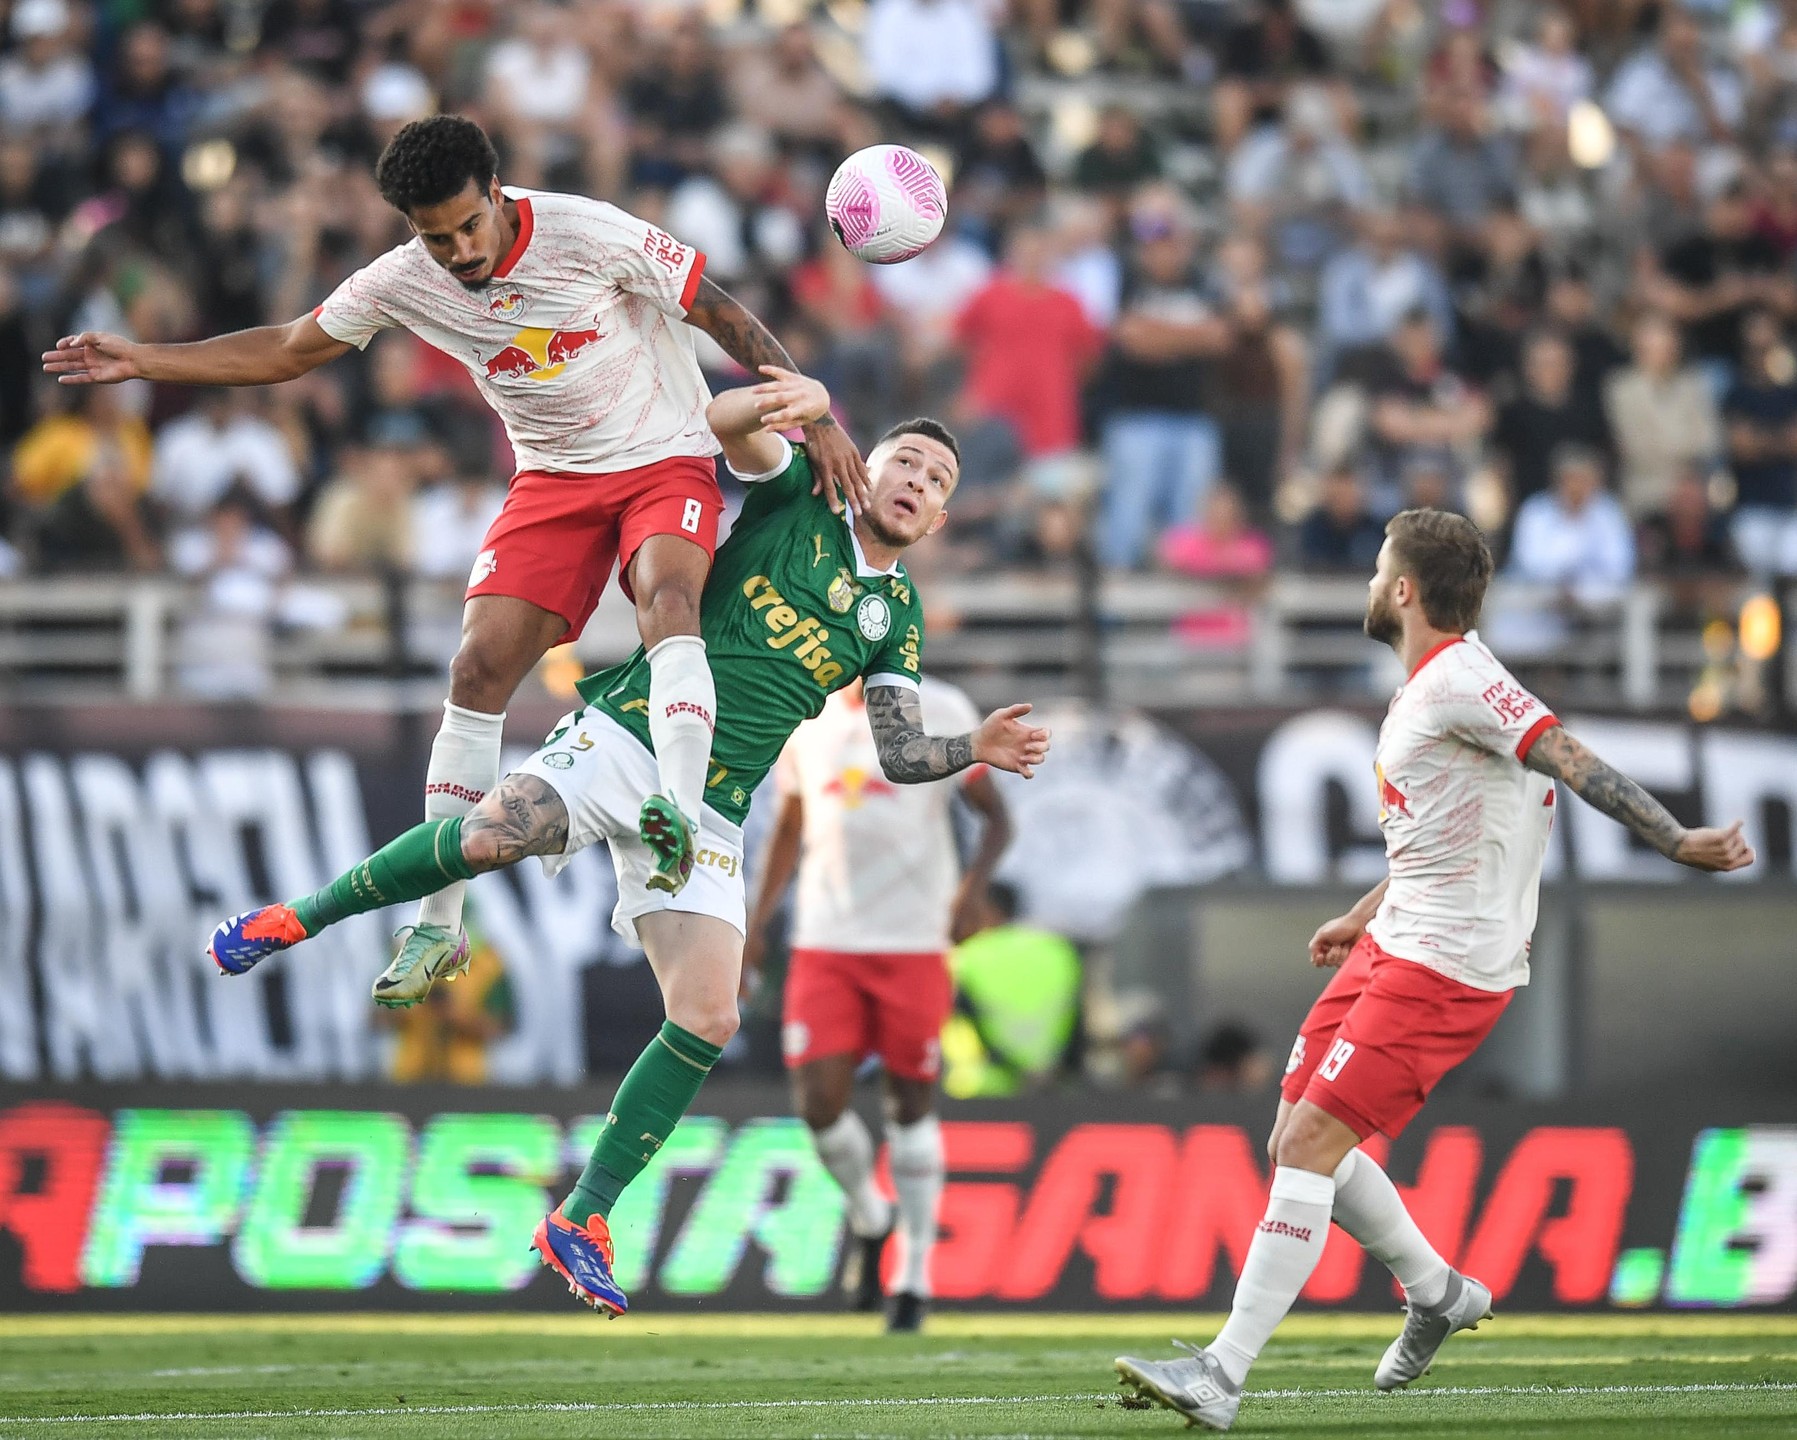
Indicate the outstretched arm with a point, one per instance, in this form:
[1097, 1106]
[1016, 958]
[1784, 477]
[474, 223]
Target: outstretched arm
[838, 465]
[1604, 788]
[263, 356]
[908, 756]
[749, 419]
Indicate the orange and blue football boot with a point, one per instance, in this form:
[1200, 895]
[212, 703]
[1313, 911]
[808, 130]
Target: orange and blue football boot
[581, 1255]
[243, 940]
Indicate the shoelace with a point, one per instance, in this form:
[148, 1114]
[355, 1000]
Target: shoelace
[412, 963]
[1196, 1351]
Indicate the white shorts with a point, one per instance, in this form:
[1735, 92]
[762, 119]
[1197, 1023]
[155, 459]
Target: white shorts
[603, 774]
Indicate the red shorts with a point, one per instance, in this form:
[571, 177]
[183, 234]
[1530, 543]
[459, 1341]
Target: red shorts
[558, 536]
[893, 1006]
[1380, 1037]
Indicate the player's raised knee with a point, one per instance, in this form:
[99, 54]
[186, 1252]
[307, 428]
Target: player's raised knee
[669, 609]
[478, 680]
[481, 848]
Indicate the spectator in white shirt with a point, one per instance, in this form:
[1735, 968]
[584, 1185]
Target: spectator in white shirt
[223, 441]
[1368, 288]
[1543, 81]
[1575, 543]
[549, 106]
[450, 519]
[46, 84]
[934, 59]
[1670, 92]
[1298, 182]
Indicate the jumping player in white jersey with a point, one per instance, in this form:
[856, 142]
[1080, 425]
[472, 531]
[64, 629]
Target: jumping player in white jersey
[567, 313]
[1425, 963]
[880, 896]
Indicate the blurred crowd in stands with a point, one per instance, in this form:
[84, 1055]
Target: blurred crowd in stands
[1226, 282]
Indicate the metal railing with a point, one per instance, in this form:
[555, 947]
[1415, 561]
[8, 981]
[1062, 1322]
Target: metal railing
[1005, 634]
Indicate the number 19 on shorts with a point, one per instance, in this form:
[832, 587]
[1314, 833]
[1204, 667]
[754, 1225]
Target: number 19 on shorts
[1337, 1057]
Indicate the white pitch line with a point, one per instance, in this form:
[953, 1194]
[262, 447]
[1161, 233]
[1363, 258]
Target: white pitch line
[575, 1407]
[1464, 1391]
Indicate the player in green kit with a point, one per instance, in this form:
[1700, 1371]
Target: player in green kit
[800, 602]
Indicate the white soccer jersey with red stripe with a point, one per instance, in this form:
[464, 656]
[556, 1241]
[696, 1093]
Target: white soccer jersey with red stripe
[878, 871]
[577, 341]
[1465, 823]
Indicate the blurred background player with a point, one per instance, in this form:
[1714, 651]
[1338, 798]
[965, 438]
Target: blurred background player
[880, 896]
[563, 309]
[1425, 963]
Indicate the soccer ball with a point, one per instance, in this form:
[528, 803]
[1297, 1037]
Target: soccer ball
[886, 203]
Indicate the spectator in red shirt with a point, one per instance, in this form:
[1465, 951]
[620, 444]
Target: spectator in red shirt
[836, 294]
[1029, 345]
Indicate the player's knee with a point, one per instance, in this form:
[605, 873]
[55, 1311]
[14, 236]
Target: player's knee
[1299, 1145]
[715, 1024]
[819, 1111]
[481, 848]
[666, 610]
[909, 1103]
[477, 682]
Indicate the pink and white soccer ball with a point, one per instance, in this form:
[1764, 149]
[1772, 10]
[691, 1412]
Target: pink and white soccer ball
[886, 203]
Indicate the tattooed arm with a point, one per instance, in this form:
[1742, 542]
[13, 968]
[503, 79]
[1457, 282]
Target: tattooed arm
[522, 815]
[840, 470]
[1558, 754]
[910, 757]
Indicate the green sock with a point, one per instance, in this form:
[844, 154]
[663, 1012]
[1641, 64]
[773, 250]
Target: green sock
[663, 1082]
[419, 863]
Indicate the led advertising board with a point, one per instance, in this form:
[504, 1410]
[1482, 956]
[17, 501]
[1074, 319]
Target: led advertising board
[317, 1198]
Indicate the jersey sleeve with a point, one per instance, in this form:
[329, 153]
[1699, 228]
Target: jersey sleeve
[358, 310]
[1488, 708]
[647, 261]
[774, 488]
[899, 660]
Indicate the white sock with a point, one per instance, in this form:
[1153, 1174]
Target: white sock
[1286, 1248]
[464, 766]
[1368, 1208]
[915, 1152]
[683, 707]
[847, 1150]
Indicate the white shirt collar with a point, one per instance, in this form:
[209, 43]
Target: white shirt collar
[863, 570]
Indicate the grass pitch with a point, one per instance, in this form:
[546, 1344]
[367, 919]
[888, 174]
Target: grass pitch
[210, 1377]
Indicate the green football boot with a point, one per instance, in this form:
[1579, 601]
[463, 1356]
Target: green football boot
[670, 836]
[427, 953]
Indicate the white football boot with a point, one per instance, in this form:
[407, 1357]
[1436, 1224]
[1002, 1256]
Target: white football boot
[1197, 1387]
[1426, 1330]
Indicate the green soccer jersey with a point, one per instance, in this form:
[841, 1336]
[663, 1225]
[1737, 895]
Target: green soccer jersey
[788, 615]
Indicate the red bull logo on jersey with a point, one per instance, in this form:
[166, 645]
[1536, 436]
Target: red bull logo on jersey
[1392, 801]
[508, 306]
[855, 785]
[537, 354]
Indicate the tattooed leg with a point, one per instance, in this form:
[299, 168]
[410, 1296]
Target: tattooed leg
[521, 816]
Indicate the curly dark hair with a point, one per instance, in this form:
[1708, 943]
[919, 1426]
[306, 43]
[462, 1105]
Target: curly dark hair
[433, 160]
[932, 429]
